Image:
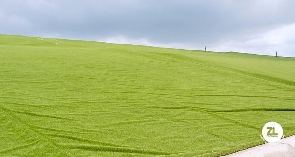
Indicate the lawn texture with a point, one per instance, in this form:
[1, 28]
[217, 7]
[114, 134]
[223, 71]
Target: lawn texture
[81, 98]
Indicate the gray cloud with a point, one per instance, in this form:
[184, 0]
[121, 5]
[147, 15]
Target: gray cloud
[223, 25]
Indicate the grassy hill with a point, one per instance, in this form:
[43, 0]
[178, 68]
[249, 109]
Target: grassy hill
[77, 98]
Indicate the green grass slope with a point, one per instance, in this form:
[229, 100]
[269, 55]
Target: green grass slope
[76, 98]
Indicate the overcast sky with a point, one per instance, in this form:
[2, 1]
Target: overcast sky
[252, 26]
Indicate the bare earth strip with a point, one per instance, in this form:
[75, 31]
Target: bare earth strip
[284, 148]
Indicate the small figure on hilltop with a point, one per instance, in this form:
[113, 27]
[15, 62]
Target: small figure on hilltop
[276, 53]
[205, 48]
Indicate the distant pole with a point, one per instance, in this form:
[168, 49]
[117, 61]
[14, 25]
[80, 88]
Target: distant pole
[276, 53]
[205, 49]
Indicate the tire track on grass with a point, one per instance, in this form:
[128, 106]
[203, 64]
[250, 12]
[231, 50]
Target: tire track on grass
[256, 109]
[203, 110]
[101, 146]
[41, 115]
[210, 112]
[20, 121]
[60, 130]
[213, 114]
[216, 116]
[189, 124]
[113, 149]
[19, 147]
[243, 96]
[218, 66]
[83, 140]
[129, 122]
[265, 77]
[182, 123]
[234, 121]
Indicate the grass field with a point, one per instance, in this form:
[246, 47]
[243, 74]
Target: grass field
[77, 98]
